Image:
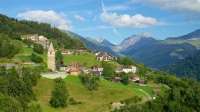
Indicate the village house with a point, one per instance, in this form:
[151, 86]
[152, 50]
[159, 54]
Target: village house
[79, 51]
[137, 79]
[117, 79]
[104, 56]
[74, 69]
[97, 70]
[37, 39]
[67, 52]
[129, 69]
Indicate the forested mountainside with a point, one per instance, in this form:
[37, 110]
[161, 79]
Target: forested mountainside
[156, 54]
[189, 67]
[15, 28]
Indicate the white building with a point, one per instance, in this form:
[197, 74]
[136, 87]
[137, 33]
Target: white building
[104, 56]
[131, 69]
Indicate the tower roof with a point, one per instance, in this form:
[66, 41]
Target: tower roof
[51, 47]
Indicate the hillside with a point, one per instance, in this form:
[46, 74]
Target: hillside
[15, 28]
[188, 67]
[157, 55]
[98, 101]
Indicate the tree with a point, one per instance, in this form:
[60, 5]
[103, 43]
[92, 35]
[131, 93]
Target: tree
[108, 70]
[8, 47]
[16, 87]
[59, 57]
[38, 48]
[36, 58]
[9, 104]
[125, 78]
[60, 94]
[125, 61]
[90, 81]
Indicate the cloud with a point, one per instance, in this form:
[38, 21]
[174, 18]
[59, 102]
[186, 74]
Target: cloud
[117, 7]
[80, 18]
[177, 5]
[55, 19]
[126, 20]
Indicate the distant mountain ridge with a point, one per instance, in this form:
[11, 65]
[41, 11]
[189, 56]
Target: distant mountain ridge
[153, 53]
[193, 35]
[130, 41]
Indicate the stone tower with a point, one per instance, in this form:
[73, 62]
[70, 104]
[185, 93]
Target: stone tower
[51, 58]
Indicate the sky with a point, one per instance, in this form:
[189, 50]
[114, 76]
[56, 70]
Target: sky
[113, 20]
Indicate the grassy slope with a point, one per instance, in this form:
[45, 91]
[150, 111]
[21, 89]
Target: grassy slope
[25, 53]
[86, 59]
[96, 101]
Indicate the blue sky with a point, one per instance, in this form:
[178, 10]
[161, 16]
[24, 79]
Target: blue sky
[113, 20]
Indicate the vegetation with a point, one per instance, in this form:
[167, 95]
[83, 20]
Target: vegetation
[91, 101]
[36, 58]
[90, 81]
[38, 48]
[181, 97]
[59, 57]
[16, 89]
[125, 61]
[15, 28]
[108, 70]
[125, 78]
[8, 47]
[188, 67]
[59, 94]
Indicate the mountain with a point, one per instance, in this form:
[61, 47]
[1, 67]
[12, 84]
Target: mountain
[189, 67]
[156, 54]
[130, 41]
[96, 44]
[101, 41]
[193, 35]
[145, 49]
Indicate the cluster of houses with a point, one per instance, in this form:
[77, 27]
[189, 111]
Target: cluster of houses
[76, 68]
[39, 39]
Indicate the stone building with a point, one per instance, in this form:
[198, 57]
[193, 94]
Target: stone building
[74, 69]
[39, 39]
[51, 58]
[104, 56]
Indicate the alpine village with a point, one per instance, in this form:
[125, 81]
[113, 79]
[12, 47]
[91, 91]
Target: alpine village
[46, 69]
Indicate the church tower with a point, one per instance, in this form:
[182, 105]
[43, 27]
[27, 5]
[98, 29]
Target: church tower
[51, 58]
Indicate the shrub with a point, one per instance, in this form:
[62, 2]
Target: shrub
[60, 94]
[38, 48]
[35, 58]
[90, 81]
